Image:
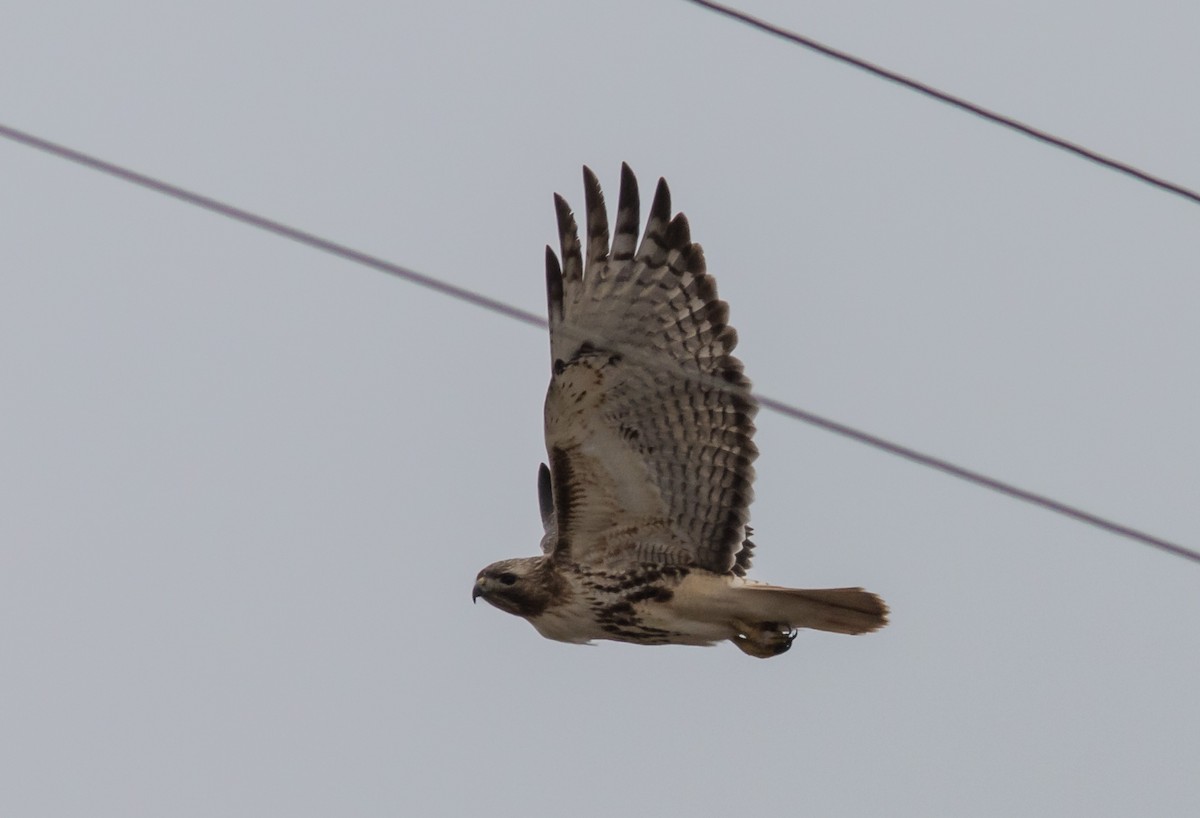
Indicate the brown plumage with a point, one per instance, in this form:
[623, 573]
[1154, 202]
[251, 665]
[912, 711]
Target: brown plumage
[649, 431]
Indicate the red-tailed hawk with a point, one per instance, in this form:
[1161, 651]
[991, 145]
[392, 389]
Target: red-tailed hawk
[649, 427]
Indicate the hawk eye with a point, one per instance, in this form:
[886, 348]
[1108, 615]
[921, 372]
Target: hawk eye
[507, 578]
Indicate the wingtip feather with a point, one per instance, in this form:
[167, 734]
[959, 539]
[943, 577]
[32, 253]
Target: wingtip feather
[661, 206]
[628, 216]
[568, 239]
[554, 287]
[597, 220]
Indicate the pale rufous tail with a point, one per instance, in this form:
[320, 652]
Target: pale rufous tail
[838, 610]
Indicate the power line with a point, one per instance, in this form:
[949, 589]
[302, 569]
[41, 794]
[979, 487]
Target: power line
[950, 99]
[278, 228]
[979, 479]
[462, 294]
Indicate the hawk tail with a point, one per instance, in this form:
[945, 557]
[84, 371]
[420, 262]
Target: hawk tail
[837, 610]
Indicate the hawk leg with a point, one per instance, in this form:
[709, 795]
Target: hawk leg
[763, 640]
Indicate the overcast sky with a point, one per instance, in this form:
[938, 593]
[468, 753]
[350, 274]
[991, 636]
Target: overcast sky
[245, 487]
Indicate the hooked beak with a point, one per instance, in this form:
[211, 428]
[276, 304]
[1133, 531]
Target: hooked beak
[477, 591]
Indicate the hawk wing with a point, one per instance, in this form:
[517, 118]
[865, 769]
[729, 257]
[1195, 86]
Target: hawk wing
[649, 419]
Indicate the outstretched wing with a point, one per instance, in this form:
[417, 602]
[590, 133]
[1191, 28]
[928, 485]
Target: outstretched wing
[649, 419]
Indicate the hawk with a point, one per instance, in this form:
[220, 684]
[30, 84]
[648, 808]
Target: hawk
[649, 425]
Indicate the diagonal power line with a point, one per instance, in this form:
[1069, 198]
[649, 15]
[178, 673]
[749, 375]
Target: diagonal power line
[271, 226]
[978, 478]
[950, 99]
[494, 305]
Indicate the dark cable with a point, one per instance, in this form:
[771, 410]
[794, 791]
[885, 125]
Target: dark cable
[979, 479]
[500, 307]
[950, 99]
[263, 223]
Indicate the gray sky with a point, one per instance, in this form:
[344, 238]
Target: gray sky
[246, 487]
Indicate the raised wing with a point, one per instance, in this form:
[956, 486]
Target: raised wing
[649, 419]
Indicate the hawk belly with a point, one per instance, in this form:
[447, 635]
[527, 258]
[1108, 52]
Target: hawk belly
[650, 605]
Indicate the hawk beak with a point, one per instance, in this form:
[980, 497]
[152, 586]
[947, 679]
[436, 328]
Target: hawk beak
[477, 591]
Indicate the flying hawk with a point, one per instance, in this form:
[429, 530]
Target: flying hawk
[649, 425]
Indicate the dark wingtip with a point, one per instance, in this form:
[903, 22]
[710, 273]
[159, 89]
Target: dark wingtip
[628, 179]
[596, 218]
[545, 492]
[661, 206]
[628, 216]
[679, 234]
[554, 286]
[563, 211]
[593, 194]
[568, 240]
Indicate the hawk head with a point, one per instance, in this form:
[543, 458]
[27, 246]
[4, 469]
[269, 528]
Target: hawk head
[524, 586]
